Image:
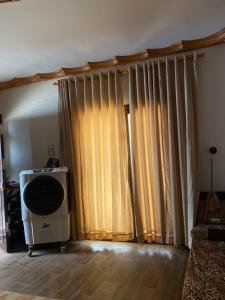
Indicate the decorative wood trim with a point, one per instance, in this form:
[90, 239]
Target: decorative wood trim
[4, 1]
[179, 47]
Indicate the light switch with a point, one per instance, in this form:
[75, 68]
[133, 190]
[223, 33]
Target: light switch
[51, 150]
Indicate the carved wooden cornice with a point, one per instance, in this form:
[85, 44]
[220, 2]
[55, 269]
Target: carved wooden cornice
[4, 1]
[182, 46]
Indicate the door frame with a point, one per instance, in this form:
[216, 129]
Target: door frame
[4, 237]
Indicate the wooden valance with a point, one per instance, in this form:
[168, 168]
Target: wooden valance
[4, 1]
[179, 47]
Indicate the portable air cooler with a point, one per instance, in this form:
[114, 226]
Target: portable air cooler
[44, 204]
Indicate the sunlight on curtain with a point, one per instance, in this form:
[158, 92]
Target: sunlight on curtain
[160, 183]
[163, 110]
[93, 146]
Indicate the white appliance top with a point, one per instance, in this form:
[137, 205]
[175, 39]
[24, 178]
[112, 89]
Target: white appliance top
[44, 171]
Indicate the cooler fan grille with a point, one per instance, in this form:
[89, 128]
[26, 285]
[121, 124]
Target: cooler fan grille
[43, 195]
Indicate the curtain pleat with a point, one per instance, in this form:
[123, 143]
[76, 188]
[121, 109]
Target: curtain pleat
[163, 101]
[93, 144]
[67, 142]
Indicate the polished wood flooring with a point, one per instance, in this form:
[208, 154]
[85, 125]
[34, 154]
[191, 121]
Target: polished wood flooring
[97, 270]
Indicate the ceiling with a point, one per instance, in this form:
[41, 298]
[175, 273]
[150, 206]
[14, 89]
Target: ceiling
[45, 35]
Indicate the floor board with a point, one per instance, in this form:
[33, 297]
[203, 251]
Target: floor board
[97, 270]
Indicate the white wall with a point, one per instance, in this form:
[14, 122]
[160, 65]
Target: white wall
[30, 116]
[212, 115]
[30, 120]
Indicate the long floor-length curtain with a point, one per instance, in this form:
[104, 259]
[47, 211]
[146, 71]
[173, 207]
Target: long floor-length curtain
[93, 146]
[163, 112]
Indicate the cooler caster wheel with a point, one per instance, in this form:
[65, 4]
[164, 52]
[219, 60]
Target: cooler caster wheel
[62, 249]
[30, 250]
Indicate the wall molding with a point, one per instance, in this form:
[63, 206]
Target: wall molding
[4, 1]
[179, 47]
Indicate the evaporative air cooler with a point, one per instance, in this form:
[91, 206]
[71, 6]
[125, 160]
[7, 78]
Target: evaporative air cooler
[44, 203]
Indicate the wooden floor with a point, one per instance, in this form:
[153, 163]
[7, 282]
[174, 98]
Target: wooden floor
[97, 270]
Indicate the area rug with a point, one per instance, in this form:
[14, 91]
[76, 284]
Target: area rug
[6, 295]
[205, 275]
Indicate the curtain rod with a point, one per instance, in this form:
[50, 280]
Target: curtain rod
[124, 69]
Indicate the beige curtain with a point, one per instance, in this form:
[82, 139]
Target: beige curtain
[93, 146]
[163, 112]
